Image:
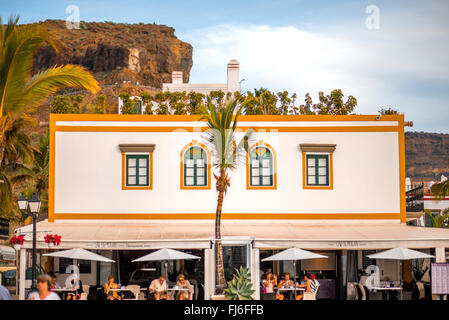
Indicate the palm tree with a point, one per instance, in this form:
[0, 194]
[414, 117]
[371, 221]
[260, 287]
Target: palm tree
[40, 164]
[21, 92]
[18, 153]
[441, 190]
[222, 123]
[440, 220]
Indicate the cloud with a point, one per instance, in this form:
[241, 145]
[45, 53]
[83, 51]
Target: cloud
[403, 67]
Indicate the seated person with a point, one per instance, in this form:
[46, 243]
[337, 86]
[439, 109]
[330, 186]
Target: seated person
[184, 284]
[111, 295]
[54, 284]
[286, 282]
[269, 282]
[311, 285]
[43, 287]
[159, 288]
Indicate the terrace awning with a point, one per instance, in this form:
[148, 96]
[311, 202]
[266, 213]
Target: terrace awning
[198, 234]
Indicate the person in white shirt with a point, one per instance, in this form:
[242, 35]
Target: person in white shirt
[43, 287]
[159, 288]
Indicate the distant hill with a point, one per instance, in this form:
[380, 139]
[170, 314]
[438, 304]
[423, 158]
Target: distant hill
[426, 155]
[123, 57]
[117, 52]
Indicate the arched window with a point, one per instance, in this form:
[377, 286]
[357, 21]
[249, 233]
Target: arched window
[195, 167]
[261, 167]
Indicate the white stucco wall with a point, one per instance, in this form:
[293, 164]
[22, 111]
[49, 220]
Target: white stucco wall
[88, 173]
[435, 204]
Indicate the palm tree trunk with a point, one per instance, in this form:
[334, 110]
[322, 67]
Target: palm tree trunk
[2, 148]
[220, 277]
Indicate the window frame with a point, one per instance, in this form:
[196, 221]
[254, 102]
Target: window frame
[273, 168]
[207, 179]
[329, 171]
[317, 166]
[138, 155]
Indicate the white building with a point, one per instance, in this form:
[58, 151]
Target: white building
[232, 85]
[127, 184]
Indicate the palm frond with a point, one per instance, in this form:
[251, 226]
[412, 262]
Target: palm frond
[440, 190]
[48, 82]
[222, 125]
[18, 49]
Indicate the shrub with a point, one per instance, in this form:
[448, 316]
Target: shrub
[240, 287]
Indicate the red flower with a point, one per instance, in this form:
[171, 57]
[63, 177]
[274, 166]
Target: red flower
[53, 238]
[17, 240]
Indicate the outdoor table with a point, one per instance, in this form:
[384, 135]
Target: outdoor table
[292, 290]
[174, 290]
[388, 289]
[62, 292]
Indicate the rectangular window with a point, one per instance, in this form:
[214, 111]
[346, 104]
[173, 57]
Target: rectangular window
[137, 172]
[317, 169]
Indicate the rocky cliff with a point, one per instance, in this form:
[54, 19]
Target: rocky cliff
[143, 54]
[426, 155]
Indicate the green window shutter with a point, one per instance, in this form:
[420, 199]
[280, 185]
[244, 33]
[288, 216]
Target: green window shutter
[261, 167]
[137, 170]
[317, 169]
[195, 167]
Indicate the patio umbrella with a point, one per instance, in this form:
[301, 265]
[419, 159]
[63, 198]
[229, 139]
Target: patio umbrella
[165, 255]
[293, 254]
[78, 254]
[400, 254]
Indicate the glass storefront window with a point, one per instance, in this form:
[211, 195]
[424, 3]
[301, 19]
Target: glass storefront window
[234, 257]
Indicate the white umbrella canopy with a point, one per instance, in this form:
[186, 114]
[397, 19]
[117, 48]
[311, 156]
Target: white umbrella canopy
[294, 254]
[166, 254]
[79, 254]
[400, 254]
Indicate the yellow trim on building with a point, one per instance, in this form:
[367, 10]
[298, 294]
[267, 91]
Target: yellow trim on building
[153, 117]
[242, 129]
[230, 216]
[402, 168]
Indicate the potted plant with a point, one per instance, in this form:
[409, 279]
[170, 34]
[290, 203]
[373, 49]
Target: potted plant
[240, 287]
[17, 242]
[52, 240]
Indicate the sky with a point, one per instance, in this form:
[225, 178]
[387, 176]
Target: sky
[391, 53]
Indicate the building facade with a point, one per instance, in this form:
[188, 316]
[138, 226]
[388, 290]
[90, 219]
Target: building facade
[128, 184]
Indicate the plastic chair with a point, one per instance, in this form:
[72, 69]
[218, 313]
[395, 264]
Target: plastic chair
[310, 296]
[135, 289]
[361, 291]
[351, 291]
[194, 283]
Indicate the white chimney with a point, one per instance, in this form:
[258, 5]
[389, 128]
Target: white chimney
[233, 76]
[176, 77]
